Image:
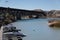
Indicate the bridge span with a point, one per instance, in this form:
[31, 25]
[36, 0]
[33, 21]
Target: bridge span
[20, 13]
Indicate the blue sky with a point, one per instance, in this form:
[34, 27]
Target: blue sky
[32, 4]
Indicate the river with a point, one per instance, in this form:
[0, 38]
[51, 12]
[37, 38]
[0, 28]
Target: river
[37, 29]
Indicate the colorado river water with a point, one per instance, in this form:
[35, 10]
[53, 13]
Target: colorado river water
[37, 29]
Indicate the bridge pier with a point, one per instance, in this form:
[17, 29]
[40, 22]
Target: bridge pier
[19, 18]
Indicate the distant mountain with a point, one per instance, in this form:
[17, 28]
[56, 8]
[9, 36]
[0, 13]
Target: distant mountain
[39, 10]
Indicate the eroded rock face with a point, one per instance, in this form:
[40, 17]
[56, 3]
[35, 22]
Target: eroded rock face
[54, 13]
[50, 13]
[57, 13]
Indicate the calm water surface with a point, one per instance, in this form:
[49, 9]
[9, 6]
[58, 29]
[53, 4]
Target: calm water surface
[37, 29]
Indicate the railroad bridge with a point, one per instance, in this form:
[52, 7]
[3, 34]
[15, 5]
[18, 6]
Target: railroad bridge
[19, 13]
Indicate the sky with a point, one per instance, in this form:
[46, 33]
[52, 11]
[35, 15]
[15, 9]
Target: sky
[31, 4]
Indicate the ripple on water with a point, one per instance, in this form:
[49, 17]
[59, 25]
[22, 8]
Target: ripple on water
[37, 29]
